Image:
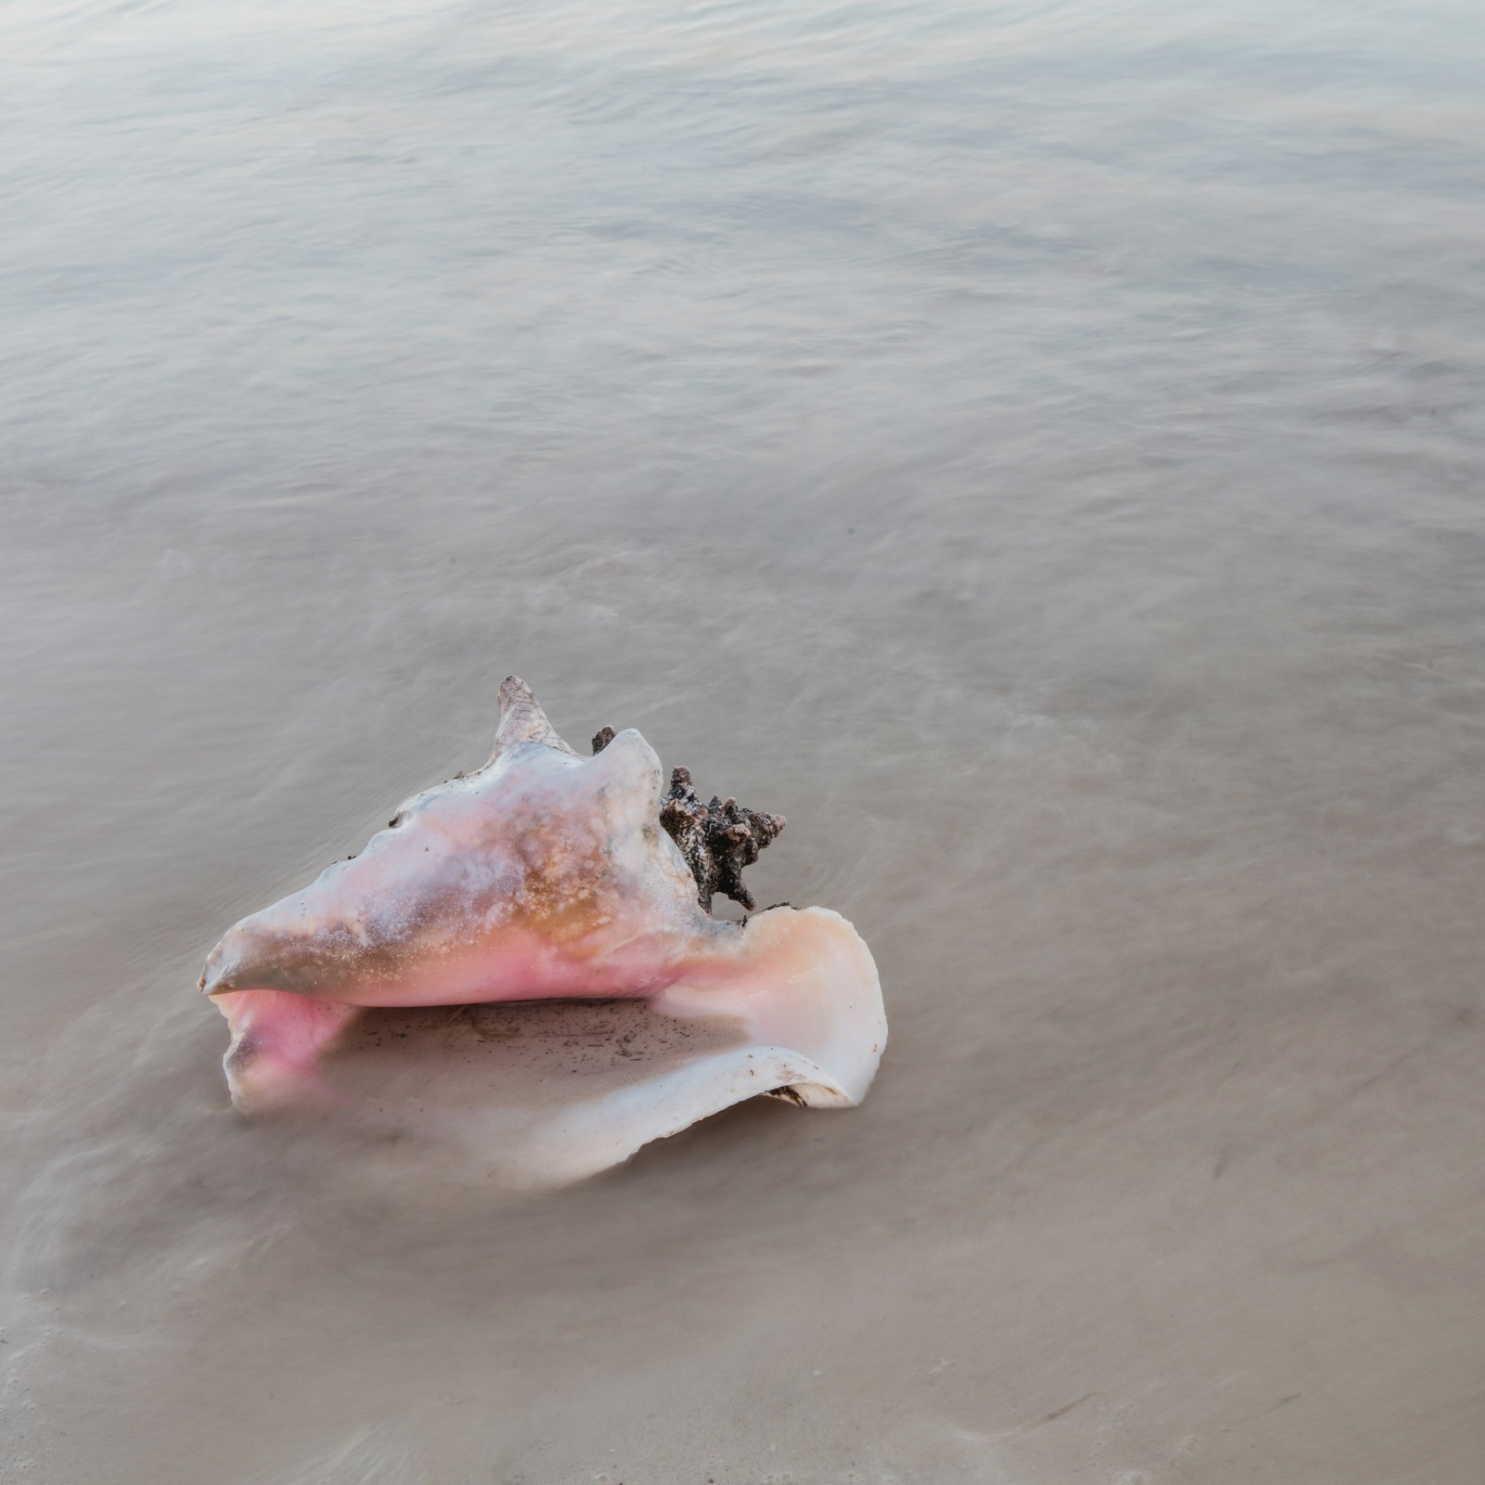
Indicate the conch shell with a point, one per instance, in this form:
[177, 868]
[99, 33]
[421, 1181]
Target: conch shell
[510, 894]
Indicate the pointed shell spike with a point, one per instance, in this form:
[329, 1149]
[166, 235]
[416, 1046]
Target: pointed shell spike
[522, 720]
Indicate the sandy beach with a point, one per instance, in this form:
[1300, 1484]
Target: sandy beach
[1037, 450]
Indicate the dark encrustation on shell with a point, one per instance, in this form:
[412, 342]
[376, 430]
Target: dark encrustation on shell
[718, 839]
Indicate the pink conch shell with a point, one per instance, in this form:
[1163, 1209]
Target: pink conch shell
[542, 879]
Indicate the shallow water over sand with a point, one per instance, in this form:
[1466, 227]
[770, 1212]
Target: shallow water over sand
[1037, 449]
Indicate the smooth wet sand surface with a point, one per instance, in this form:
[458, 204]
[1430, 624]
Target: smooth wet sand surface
[1037, 449]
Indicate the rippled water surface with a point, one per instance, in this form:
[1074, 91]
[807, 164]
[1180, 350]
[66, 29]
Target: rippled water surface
[1038, 448]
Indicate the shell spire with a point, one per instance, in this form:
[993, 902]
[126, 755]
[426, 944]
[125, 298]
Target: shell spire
[522, 720]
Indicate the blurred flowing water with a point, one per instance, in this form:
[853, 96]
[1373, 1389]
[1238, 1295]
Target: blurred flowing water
[1038, 448]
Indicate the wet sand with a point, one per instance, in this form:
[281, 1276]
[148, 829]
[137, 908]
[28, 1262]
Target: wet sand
[533, 1051]
[1038, 452]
